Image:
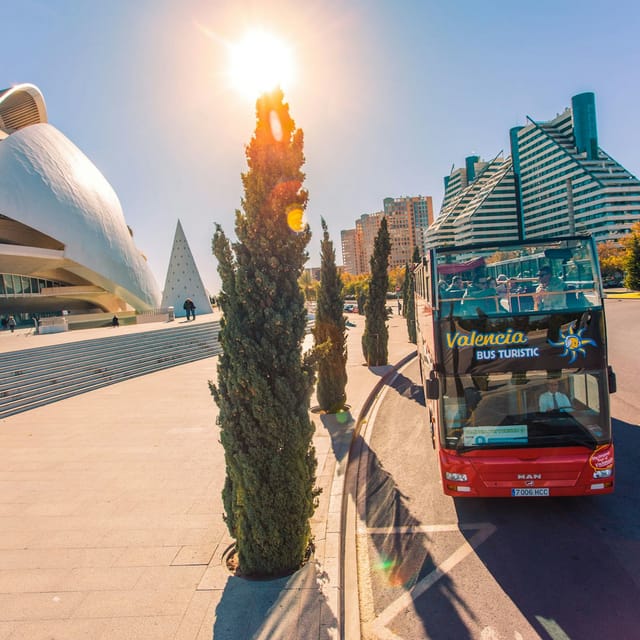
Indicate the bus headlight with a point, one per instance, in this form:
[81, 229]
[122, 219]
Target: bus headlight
[603, 473]
[456, 477]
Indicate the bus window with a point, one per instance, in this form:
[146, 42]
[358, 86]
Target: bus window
[553, 277]
[538, 409]
[586, 390]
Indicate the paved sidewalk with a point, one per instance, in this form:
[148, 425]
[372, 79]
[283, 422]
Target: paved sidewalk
[111, 514]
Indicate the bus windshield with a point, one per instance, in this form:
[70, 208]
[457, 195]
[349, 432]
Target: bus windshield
[553, 275]
[525, 409]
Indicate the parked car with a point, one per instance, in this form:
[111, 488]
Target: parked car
[351, 308]
[612, 282]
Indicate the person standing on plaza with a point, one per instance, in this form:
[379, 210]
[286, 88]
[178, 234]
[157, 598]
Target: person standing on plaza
[12, 323]
[190, 308]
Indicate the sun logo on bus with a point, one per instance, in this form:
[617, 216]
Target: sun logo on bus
[573, 343]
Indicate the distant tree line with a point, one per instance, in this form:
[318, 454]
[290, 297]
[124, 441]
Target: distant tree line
[620, 261]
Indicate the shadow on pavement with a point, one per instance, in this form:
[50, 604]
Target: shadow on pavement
[408, 389]
[570, 565]
[290, 607]
[340, 428]
[399, 558]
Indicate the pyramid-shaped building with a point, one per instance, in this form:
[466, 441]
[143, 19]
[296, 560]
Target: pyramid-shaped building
[183, 280]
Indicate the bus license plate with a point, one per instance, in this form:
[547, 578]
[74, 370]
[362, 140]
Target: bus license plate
[529, 493]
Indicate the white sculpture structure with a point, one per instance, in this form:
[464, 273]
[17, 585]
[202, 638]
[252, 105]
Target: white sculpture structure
[183, 279]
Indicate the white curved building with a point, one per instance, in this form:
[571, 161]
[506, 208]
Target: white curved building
[64, 242]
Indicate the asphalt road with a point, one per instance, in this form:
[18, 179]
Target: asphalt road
[434, 567]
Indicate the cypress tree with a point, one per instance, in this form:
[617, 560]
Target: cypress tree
[405, 288]
[375, 338]
[264, 385]
[362, 291]
[410, 304]
[329, 331]
[632, 263]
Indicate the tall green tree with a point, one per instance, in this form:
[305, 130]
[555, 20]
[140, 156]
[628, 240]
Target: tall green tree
[375, 338]
[410, 304]
[329, 331]
[408, 270]
[264, 384]
[612, 258]
[405, 288]
[309, 286]
[632, 262]
[362, 292]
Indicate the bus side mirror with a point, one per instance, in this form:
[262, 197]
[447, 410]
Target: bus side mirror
[433, 388]
[612, 380]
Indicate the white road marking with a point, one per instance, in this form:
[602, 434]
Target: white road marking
[484, 530]
[552, 628]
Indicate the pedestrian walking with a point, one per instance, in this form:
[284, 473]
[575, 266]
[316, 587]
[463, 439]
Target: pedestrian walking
[115, 321]
[12, 323]
[190, 308]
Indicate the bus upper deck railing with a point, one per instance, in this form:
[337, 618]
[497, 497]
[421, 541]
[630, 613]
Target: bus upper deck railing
[569, 299]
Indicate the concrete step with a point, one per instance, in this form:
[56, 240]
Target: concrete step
[34, 358]
[34, 377]
[71, 375]
[33, 370]
[36, 399]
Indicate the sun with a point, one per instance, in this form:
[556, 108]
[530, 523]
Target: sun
[260, 62]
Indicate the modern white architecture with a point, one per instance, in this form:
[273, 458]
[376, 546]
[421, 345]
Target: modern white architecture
[64, 242]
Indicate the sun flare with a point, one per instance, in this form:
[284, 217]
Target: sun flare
[260, 62]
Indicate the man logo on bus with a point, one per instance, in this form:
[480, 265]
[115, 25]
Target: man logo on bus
[573, 343]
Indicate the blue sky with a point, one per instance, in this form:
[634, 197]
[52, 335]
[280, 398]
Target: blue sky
[390, 94]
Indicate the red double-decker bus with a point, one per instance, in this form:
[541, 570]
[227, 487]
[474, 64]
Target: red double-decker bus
[513, 358]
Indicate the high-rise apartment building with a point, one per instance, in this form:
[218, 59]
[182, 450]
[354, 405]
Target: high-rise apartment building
[567, 183]
[557, 181]
[348, 242]
[367, 226]
[407, 220]
[479, 204]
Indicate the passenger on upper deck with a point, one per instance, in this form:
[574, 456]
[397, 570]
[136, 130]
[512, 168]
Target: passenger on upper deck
[478, 297]
[456, 288]
[453, 292]
[549, 293]
[500, 284]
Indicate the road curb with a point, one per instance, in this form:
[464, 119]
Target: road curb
[348, 572]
